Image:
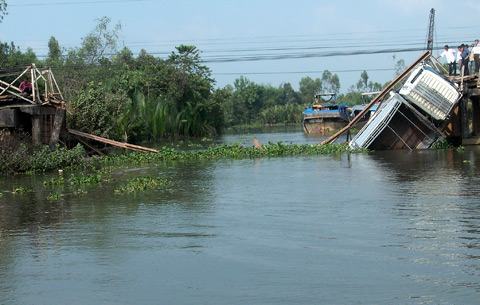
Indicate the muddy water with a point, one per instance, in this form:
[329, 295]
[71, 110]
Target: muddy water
[383, 228]
[287, 135]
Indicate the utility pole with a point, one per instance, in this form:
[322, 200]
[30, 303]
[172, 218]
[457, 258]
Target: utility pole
[431, 29]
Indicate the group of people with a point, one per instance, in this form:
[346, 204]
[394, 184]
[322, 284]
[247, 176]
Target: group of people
[464, 58]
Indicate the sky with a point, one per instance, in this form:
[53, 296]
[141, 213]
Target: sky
[239, 29]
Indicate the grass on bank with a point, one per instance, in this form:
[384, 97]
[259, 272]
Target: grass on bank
[219, 152]
[46, 160]
[77, 173]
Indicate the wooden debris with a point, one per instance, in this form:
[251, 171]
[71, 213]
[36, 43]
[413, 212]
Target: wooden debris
[112, 142]
[256, 143]
[59, 118]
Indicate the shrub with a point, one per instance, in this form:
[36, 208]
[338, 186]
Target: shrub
[41, 159]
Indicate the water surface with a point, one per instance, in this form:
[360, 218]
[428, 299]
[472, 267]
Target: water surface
[382, 228]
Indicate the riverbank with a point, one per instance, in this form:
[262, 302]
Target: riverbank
[77, 173]
[44, 159]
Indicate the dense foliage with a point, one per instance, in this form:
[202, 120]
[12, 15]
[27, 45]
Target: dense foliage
[3, 9]
[44, 159]
[114, 94]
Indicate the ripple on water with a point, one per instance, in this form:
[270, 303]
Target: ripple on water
[379, 228]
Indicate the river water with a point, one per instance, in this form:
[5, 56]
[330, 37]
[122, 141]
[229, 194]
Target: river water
[379, 228]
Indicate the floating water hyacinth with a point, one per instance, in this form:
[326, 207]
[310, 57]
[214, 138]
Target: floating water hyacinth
[141, 184]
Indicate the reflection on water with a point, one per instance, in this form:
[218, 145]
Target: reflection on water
[383, 228]
[288, 135]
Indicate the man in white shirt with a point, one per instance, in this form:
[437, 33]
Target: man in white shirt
[449, 55]
[476, 55]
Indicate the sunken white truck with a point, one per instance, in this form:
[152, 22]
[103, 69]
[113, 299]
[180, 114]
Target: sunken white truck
[413, 117]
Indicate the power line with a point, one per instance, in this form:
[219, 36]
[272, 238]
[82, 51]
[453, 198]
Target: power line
[310, 46]
[276, 51]
[303, 72]
[310, 55]
[63, 3]
[15, 70]
[317, 39]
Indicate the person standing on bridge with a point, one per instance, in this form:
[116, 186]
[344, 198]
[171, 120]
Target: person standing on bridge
[476, 55]
[449, 55]
[459, 58]
[464, 54]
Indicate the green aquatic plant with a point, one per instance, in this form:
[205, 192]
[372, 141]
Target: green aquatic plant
[19, 190]
[86, 179]
[54, 196]
[79, 192]
[141, 184]
[79, 179]
[235, 151]
[94, 170]
[55, 181]
[442, 144]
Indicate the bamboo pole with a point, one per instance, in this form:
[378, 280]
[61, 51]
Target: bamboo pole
[50, 81]
[379, 97]
[36, 87]
[57, 125]
[33, 84]
[112, 142]
[58, 88]
[11, 84]
[16, 94]
[462, 75]
[90, 146]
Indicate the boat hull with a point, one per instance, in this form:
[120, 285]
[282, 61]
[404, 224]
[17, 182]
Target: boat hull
[321, 126]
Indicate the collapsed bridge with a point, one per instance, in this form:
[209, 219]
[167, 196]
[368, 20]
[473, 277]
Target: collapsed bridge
[420, 107]
[39, 109]
[33, 103]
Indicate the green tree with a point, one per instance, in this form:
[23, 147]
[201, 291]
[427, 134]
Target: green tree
[330, 82]
[287, 95]
[247, 100]
[308, 87]
[190, 85]
[224, 96]
[124, 58]
[54, 52]
[188, 80]
[269, 95]
[101, 42]
[362, 83]
[95, 110]
[12, 56]
[3, 9]
[352, 98]
[398, 65]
